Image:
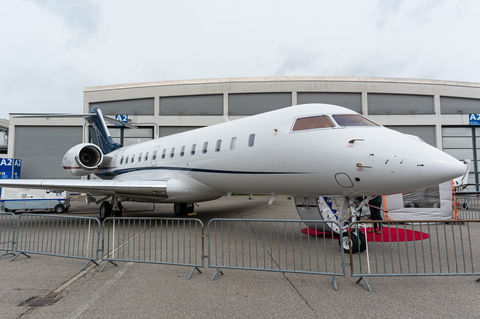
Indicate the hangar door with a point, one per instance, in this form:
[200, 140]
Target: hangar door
[41, 149]
[464, 143]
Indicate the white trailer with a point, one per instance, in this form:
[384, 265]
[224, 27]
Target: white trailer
[13, 199]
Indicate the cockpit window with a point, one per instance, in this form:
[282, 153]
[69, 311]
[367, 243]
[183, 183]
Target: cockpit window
[313, 122]
[353, 120]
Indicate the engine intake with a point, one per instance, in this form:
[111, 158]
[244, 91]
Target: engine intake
[83, 159]
[89, 157]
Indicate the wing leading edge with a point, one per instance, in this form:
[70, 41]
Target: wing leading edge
[154, 188]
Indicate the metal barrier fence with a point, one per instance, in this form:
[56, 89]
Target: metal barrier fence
[66, 236]
[274, 245]
[468, 206]
[172, 241]
[8, 224]
[418, 248]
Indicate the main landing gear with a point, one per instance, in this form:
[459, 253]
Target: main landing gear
[183, 209]
[113, 209]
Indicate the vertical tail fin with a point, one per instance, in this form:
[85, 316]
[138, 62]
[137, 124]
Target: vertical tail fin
[99, 132]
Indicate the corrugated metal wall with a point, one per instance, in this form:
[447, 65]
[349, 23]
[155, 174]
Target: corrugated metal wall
[398, 104]
[256, 103]
[352, 101]
[192, 105]
[41, 149]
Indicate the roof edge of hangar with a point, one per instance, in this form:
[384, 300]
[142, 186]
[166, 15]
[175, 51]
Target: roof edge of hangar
[282, 79]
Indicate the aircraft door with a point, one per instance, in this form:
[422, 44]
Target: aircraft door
[155, 155]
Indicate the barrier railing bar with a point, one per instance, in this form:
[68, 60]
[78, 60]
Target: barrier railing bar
[431, 249]
[40, 235]
[172, 235]
[7, 234]
[449, 253]
[255, 240]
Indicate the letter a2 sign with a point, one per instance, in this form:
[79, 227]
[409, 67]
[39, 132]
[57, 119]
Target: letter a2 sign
[121, 118]
[474, 119]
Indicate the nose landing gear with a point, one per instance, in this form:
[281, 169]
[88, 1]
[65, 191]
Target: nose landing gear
[312, 208]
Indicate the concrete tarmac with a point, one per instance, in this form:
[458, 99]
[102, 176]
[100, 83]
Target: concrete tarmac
[135, 290]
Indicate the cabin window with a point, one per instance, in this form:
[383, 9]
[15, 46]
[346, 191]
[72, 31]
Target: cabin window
[154, 155]
[353, 120]
[251, 140]
[205, 147]
[233, 142]
[133, 158]
[164, 152]
[182, 151]
[140, 157]
[121, 160]
[217, 147]
[192, 152]
[146, 157]
[126, 160]
[172, 152]
[313, 122]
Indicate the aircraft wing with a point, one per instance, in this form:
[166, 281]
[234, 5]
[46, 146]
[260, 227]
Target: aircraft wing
[154, 188]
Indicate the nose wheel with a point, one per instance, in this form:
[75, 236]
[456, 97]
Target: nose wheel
[358, 243]
[349, 213]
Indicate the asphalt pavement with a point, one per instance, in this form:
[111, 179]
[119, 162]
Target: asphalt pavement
[138, 290]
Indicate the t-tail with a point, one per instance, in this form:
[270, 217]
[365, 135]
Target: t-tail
[99, 133]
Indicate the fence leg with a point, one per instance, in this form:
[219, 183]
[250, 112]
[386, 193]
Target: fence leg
[335, 283]
[366, 282]
[216, 273]
[7, 254]
[193, 269]
[90, 261]
[20, 253]
[478, 280]
[108, 261]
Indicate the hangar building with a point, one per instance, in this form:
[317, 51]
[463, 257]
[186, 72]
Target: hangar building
[436, 111]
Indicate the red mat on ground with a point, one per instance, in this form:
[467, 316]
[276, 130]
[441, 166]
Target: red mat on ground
[392, 234]
[311, 232]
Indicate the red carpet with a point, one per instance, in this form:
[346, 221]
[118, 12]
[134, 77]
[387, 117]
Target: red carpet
[388, 234]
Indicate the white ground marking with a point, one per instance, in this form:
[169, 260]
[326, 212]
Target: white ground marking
[96, 295]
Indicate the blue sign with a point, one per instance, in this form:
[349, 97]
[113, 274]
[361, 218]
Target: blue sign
[10, 168]
[474, 119]
[121, 118]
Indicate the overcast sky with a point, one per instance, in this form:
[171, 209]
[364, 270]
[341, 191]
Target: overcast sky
[52, 49]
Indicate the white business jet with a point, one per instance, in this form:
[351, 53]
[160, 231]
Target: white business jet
[306, 151]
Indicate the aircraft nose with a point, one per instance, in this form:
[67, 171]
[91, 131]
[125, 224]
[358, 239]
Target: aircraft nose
[435, 166]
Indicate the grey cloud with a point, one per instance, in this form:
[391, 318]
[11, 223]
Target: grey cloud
[401, 14]
[299, 60]
[82, 16]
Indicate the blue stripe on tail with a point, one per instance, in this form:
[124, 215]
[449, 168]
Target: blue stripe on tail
[99, 133]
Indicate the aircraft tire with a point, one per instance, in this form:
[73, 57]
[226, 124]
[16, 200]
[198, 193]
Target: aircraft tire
[190, 208]
[105, 210]
[59, 209]
[363, 241]
[180, 209]
[345, 247]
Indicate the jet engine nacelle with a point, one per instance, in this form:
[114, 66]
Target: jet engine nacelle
[83, 159]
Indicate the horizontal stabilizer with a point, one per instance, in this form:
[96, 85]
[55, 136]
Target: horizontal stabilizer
[59, 115]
